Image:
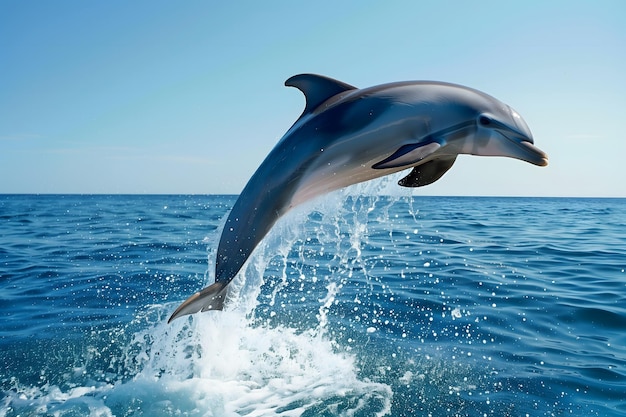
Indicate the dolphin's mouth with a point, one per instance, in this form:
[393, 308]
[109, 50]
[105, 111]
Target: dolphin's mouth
[526, 151]
[512, 145]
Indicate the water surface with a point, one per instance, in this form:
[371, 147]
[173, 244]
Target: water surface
[354, 305]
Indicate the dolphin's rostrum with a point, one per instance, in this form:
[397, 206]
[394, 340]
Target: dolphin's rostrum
[348, 135]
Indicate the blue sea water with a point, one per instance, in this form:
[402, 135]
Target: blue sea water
[355, 305]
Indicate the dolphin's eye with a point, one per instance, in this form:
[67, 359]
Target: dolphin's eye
[484, 121]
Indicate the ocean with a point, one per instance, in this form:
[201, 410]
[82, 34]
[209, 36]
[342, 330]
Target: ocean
[354, 305]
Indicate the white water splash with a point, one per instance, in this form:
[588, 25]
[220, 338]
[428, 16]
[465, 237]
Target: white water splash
[231, 368]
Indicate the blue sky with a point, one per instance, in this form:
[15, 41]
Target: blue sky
[188, 97]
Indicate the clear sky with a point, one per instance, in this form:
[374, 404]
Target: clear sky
[187, 96]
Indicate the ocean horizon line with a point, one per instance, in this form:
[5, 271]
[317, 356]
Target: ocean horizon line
[76, 194]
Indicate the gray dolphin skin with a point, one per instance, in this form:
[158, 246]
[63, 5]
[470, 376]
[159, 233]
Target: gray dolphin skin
[348, 135]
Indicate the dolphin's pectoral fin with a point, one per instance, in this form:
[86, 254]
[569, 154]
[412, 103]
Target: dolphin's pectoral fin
[317, 89]
[408, 155]
[210, 298]
[428, 173]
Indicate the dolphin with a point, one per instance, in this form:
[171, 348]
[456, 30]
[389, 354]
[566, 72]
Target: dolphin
[348, 135]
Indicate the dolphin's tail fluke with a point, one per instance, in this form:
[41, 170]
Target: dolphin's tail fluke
[210, 298]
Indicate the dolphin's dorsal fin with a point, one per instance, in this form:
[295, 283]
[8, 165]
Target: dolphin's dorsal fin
[317, 89]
